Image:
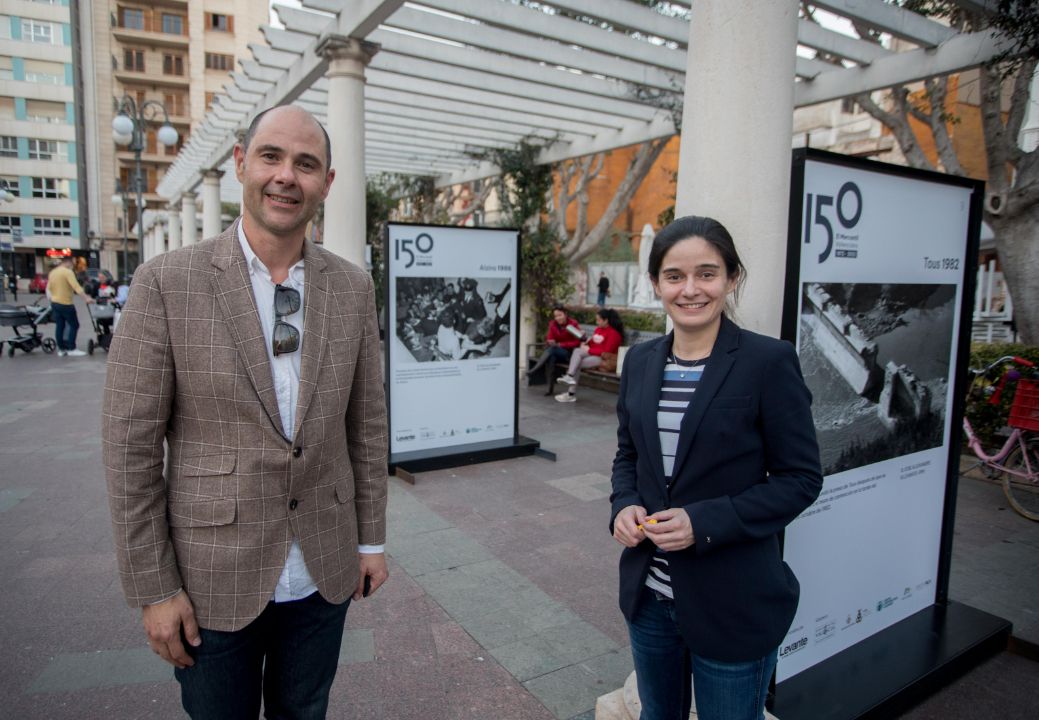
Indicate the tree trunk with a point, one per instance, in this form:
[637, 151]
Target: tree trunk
[1016, 241]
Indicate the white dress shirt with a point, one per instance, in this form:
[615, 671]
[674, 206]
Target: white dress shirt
[295, 582]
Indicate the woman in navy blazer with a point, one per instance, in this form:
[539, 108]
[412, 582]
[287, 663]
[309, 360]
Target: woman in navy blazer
[701, 491]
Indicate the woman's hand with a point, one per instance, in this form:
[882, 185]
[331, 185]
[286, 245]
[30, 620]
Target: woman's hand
[672, 530]
[625, 525]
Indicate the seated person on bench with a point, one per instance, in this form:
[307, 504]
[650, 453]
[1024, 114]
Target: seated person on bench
[608, 337]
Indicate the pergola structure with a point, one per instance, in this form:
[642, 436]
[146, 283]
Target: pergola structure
[422, 87]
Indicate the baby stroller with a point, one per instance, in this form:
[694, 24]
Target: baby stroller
[102, 315]
[18, 316]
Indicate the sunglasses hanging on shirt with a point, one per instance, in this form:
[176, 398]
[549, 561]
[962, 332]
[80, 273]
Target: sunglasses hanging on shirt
[286, 335]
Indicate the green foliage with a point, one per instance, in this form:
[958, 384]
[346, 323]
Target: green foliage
[523, 189]
[379, 203]
[986, 419]
[616, 248]
[546, 273]
[633, 319]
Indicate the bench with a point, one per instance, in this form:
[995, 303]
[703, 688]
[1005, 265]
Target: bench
[594, 378]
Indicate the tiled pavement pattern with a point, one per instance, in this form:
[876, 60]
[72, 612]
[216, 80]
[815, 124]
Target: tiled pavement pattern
[501, 601]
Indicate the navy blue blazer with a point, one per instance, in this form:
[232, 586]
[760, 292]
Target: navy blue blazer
[747, 464]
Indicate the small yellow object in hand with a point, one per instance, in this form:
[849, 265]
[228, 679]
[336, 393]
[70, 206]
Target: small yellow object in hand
[651, 521]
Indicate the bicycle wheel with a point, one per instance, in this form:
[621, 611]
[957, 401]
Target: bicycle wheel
[1022, 492]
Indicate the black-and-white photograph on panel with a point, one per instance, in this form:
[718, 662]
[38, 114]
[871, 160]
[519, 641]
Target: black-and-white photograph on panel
[876, 358]
[454, 318]
[451, 372]
[876, 300]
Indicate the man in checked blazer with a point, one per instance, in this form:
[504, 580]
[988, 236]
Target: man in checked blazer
[245, 439]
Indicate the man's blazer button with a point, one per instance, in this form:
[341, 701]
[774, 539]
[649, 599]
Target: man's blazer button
[293, 503]
[297, 451]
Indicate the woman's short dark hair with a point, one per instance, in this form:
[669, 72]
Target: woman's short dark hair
[707, 228]
[560, 308]
[612, 318]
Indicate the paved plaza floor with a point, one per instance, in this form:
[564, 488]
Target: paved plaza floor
[501, 600]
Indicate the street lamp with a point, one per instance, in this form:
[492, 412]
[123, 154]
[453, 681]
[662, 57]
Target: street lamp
[121, 201]
[7, 196]
[128, 129]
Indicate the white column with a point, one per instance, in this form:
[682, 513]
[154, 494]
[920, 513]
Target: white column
[734, 163]
[344, 226]
[188, 221]
[160, 235]
[211, 204]
[174, 220]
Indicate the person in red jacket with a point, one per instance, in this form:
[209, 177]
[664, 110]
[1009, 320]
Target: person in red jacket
[563, 336]
[608, 337]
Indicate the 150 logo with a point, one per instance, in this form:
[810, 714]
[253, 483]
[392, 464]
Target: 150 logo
[422, 244]
[848, 210]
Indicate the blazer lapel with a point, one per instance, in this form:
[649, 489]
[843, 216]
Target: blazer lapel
[234, 292]
[315, 321]
[651, 380]
[722, 359]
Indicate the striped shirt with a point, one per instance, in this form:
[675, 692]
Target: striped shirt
[676, 391]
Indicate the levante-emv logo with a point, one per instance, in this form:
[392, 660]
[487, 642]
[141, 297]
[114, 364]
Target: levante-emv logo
[825, 211]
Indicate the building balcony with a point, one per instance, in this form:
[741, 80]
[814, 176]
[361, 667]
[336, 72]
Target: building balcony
[150, 38]
[130, 77]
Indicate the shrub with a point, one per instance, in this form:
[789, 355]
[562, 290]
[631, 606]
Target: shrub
[986, 419]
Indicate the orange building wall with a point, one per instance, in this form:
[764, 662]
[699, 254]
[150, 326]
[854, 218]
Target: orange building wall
[656, 194]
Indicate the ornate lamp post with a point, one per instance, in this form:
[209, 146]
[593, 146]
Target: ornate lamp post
[129, 129]
[121, 201]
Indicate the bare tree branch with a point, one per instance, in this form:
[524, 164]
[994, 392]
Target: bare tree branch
[998, 145]
[937, 92]
[641, 163]
[1019, 101]
[898, 123]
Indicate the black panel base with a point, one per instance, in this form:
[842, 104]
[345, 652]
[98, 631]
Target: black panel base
[458, 455]
[889, 672]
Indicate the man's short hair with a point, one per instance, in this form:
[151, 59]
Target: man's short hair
[251, 133]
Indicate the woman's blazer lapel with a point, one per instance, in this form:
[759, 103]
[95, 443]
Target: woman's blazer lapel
[650, 378]
[723, 356]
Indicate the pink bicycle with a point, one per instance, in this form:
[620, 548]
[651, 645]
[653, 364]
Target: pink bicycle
[1017, 462]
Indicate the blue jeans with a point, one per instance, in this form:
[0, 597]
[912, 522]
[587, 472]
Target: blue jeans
[601, 301]
[66, 325]
[664, 665]
[288, 655]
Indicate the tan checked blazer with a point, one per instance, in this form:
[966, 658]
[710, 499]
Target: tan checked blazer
[189, 366]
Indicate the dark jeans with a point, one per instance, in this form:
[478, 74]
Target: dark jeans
[664, 666]
[288, 655]
[66, 325]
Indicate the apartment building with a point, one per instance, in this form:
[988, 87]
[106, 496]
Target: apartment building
[171, 53]
[40, 156]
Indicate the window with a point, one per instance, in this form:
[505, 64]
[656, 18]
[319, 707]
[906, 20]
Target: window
[848, 105]
[133, 60]
[45, 149]
[7, 108]
[131, 18]
[52, 226]
[45, 111]
[5, 27]
[221, 23]
[172, 64]
[9, 223]
[50, 188]
[8, 146]
[216, 61]
[43, 72]
[10, 183]
[37, 31]
[175, 103]
[172, 24]
[209, 99]
[6, 68]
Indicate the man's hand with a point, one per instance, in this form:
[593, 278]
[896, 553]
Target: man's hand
[671, 531]
[372, 565]
[163, 623]
[550, 342]
[625, 525]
